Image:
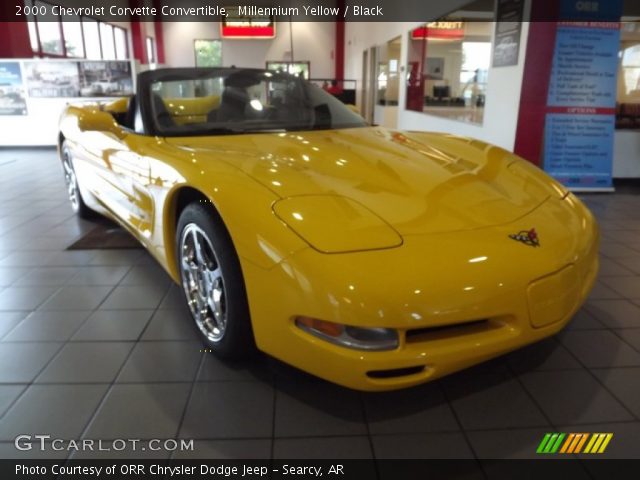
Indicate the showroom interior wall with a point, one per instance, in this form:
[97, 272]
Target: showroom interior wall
[503, 88]
[313, 41]
[40, 126]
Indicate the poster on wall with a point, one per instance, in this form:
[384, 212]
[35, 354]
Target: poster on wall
[12, 97]
[580, 118]
[52, 79]
[506, 46]
[105, 79]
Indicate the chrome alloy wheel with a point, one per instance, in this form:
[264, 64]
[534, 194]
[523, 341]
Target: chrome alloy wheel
[71, 180]
[202, 282]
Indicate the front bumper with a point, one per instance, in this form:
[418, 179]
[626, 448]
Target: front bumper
[456, 299]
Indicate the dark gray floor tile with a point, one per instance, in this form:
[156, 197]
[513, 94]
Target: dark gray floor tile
[171, 325]
[77, 298]
[418, 409]
[616, 250]
[49, 276]
[22, 362]
[615, 313]
[548, 354]
[25, 259]
[613, 268]
[33, 451]
[47, 326]
[624, 383]
[70, 258]
[174, 300]
[49, 243]
[631, 336]
[134, 297]
[600, 348]
[337, 448]
[146, 275]
[603, 292]
[214, 369]
[93, 362]
[116, 257]
[573, 397]
[144, 411]
[583, 320]
[24, 298]
[61, 411]
[138, 450]
[492, 401]
[241, 449]
[631, 263]
[162, 362]
[628, 287]
[318, 408]
[8, 321]
[421, 446]
[229, 410]
[105, 275]
[10, 275]
[113, 325]
[507, 444]
[8, 394]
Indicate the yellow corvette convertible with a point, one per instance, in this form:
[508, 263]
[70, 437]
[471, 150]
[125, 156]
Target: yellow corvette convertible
[373, 258]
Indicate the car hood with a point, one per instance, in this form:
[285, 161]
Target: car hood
[416, 182]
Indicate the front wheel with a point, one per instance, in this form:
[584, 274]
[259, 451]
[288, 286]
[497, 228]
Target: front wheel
[212, 282]
[73, 190]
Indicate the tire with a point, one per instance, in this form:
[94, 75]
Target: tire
[78, 205]
[212, 283]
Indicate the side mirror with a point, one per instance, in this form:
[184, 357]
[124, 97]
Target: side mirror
[117, 106]
[98, 121]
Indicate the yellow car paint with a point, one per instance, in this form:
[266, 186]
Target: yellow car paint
[419, 226]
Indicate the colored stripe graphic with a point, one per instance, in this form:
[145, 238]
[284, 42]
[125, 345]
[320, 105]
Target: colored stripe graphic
[598, 442]
[574, 442]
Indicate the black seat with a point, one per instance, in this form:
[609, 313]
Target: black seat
[162, 116]
[233, 104]
[128, 118]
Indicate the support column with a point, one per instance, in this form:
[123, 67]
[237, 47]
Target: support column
[14, 36]
[535, 82]
[339, 49]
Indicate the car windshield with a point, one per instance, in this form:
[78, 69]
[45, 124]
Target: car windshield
[227, 101]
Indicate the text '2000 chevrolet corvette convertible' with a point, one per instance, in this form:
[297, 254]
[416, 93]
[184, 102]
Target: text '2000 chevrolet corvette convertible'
[373, 258]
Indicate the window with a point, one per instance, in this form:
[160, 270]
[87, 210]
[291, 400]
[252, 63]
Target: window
[92, 38]
[107, 41]
[448, 67]
[294, 68]
[208, 53]
[75, 38]
[151, 50]
[237, 101]
[387, 72]
[628, 95]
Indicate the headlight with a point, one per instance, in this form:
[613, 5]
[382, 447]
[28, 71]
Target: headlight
[334, 224]
[358, 338]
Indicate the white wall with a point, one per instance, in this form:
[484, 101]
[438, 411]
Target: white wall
[312, 41]
[626, 159]
[503, 89]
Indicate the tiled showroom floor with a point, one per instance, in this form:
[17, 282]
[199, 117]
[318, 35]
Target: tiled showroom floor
[96, 344]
